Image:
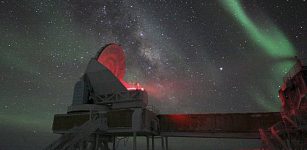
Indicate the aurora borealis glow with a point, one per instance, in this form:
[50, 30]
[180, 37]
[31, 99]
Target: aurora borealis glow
[270, 40]
[191, 56]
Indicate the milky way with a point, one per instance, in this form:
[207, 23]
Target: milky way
[191, 56]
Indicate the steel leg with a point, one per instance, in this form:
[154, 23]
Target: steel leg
[153, 143]
[96, 141]
[114, 140]
[162, 143]
[134, 140]
[147, 142]
[166, 142]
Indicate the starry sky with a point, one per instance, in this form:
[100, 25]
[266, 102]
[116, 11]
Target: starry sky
[191, 56]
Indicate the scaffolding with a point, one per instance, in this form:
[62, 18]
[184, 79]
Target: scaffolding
[291, 132]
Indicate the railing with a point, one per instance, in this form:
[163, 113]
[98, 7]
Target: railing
[294, 70]
[136, 95]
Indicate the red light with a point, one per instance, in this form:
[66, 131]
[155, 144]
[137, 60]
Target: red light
[113, 58]
[132, 87]
[180, 119]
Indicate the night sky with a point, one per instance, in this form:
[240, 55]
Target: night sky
[191, 57]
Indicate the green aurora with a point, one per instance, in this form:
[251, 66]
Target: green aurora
[272, 42]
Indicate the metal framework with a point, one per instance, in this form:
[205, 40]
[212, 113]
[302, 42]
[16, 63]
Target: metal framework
[291, 132]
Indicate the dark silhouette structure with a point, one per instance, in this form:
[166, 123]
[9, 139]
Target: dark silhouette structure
[105, 107]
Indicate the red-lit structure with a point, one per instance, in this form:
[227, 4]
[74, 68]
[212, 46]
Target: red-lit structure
[291, 132]
[105, 108]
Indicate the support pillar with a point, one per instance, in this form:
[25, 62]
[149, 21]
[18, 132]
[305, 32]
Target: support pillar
[114, 140]
[81, 145]
[162, 143]
[153, 143]
[105, 144]
[147, 142]
[96, 141]
[134, 140]
[166, 143]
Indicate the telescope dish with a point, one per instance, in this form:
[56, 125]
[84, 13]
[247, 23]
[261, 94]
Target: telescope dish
[112, 57]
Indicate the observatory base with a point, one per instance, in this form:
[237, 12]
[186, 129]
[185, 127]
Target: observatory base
[227, 125]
